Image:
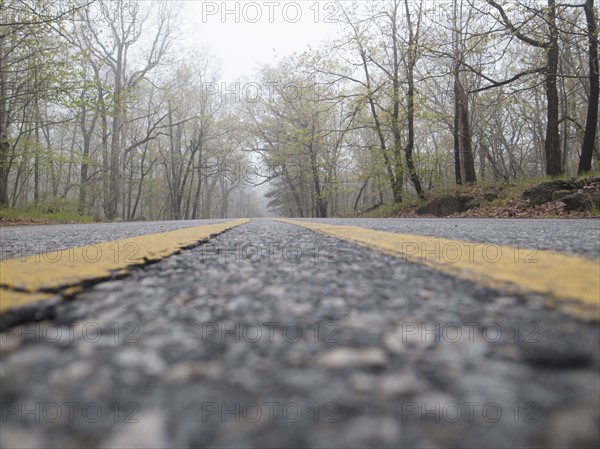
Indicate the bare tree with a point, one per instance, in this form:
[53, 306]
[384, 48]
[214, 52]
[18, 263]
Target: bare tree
[124, 26]
[550, 70]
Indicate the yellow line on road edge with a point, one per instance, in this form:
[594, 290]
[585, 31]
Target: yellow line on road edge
[29, 279]
[559, 275]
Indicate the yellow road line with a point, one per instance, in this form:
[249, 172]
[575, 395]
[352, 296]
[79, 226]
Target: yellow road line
[30, 278]
[559, 275]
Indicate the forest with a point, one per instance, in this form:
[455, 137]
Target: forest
[104, 114]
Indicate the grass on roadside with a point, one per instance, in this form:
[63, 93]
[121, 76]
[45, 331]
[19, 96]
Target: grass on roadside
[16, 216]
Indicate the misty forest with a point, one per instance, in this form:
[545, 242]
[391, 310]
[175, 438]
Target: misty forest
[105, 114]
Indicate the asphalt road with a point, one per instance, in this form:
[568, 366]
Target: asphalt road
[272, 335]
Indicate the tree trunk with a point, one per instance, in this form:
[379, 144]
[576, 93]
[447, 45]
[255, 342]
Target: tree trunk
[552, 144]
[410, 72]
[174, 161]
[457, 158]
[456, 124]
[412, 171]
[198, 195]
[465, 135]
[115, 144]
[4, 145]
[464, 163]
[320, 204]
[591, 123]
[143, 174]
[36, 147]
[397, 163]
[83, 178]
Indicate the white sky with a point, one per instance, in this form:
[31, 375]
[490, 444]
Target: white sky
[246, 34]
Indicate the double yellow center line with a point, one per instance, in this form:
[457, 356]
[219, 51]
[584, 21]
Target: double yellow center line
[552, 274]
[39, 276]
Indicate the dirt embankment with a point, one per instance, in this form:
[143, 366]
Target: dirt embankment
[559, 198]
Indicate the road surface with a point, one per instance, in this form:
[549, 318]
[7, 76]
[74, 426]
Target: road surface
[311, 334]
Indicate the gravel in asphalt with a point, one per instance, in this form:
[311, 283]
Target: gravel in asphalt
[271, 335]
